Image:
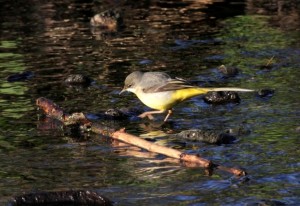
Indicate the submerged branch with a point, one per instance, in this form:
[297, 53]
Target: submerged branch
[54, 111]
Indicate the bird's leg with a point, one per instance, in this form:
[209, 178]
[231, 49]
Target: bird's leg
[149, 114]
[169, 113]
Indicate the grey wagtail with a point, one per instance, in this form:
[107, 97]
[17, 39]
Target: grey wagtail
[159, 91]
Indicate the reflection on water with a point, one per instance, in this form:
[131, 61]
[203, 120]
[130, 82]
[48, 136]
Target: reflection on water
[188, 39]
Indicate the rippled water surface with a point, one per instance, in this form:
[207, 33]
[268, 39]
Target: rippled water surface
[188, 39]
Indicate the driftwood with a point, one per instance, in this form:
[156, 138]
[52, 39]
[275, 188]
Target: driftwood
[54, 111]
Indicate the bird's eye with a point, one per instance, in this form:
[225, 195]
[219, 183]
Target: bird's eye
[129, 85]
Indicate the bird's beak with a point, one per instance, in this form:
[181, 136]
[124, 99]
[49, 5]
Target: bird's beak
[123, 90]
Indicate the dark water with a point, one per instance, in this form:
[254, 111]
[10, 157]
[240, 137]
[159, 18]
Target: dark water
[189, 39]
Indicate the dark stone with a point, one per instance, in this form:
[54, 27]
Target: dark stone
[206, 136]
[115, 114]
[228, 71]
[78, 79]
[20, 76]
[265, 92]
[221, 97]
[121, 114]
[80, 197]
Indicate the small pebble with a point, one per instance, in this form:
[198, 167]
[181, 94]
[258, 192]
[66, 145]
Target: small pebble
[228, 71]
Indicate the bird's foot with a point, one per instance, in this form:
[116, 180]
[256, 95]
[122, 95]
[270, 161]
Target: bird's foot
[146, 114]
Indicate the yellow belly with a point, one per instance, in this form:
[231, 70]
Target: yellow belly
[166, 100]
[158, 100]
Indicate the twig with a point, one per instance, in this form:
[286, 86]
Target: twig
[54, 111]
[270, 61]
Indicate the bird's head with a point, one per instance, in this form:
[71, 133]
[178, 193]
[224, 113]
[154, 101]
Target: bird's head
[131, 82]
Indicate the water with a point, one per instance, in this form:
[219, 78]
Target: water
[187, 39]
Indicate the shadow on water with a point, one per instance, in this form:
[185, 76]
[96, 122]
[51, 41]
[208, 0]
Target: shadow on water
[189, 39]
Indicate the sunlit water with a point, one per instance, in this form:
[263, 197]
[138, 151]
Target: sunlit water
[187, 39]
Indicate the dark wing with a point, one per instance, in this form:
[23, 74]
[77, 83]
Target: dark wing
[169, 85]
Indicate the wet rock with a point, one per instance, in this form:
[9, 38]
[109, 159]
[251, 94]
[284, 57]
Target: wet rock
[115, 114]
[78, 79]
[81, 197]
[228, 71]
[206, 136]
[221, 97]
[265, 92]
[238, 131]
[20, 76]
[109, 19]
[119, 114]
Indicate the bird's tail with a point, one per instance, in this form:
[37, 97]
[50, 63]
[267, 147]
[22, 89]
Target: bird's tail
[227, 89]
[186, 93]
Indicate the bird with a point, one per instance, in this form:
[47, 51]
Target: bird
[160, 92]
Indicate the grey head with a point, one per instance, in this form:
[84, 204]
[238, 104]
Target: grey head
[131, 81]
